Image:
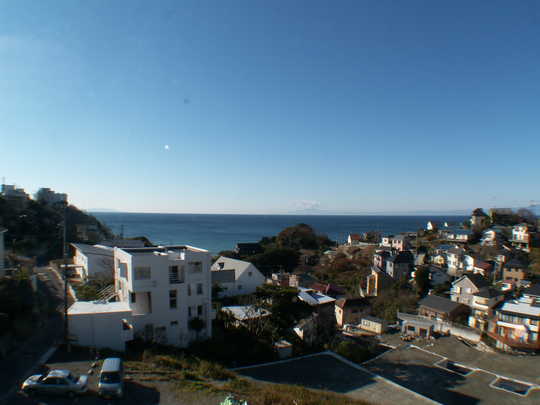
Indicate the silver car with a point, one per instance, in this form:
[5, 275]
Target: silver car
[56, 382]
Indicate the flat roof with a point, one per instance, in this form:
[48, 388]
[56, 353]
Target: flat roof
[97, 307]
[520, 308]
[162, 249]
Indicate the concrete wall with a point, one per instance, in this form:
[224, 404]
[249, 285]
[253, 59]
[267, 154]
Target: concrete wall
[461, 331]
[101, 330]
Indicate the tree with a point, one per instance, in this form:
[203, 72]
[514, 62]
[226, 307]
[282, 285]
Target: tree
[526, 215]
[275, 259]
[421, 279]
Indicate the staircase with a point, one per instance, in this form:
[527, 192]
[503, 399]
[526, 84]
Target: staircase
[106, 294]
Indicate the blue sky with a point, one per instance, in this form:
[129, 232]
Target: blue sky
[272, 106]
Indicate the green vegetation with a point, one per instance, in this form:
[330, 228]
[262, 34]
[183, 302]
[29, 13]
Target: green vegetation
[189, 373]
[36, 230]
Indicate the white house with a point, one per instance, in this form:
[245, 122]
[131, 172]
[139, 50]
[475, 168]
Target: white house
[2, 251]
[236, 277]
[522, 237]
[454, 259]
[93, 261]
[353, 239]
[159, 291]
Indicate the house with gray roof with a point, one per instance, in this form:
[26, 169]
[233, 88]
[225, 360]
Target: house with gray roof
[235, 277]
[93, 261]
[436, 307]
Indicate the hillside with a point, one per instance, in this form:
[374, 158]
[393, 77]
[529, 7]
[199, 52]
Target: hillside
[37, 229]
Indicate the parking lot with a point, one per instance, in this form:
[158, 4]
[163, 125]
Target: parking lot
[464, 380]
[139, 388]
[328, 372]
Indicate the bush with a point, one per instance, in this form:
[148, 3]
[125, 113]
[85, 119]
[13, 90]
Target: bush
[353, 351]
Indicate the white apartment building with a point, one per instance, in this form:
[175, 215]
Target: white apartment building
[48, 196]
[93, 261]
[166, 287]
[163, 289]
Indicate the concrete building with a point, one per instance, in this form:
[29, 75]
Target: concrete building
[516, 325]
[93, 261]
[159, 290]
[350, 310]
[16, 196]
[373, 324]
[236, 277]
[523, 237]
[49, 197]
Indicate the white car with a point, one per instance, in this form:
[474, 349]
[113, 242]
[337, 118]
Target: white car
[56, 382]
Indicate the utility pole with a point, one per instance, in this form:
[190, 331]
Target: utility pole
[64, 243]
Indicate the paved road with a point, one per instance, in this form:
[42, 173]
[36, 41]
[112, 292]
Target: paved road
[13, 369]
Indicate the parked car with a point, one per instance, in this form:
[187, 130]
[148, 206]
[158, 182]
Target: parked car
[111, 378]
[56, 382]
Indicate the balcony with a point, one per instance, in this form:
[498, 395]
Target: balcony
[143, 285]
[515, 343]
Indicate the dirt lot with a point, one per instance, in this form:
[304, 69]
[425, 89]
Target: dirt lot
[425, 373]
[139, 388]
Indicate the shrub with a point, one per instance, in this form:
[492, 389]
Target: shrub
[353, 351]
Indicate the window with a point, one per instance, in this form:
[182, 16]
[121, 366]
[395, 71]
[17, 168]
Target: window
[174, 323]
[175, 275]
[190, 312]
[172, 299]
[221, 265]
[199, 289]
[250, 273]
[133, 298]
[239, 286]
[189, 289]
[142, 273]
[199, 310]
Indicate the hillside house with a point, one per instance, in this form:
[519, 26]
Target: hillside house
[523, 237]
[515, 270]
[350, 310]
[466, 286]
[435, 307]
[482, 304]
[93, 261]
[235, 277]
[479, 219]
[454, 260]
[516, 324]
[354, 239]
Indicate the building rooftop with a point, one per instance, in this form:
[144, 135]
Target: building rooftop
[312, 297]
[93, 250]
[97, 307]
[162, 249]
[352, 302]
[533, 290]
[437, 303]
[246, 312]
[519, 307]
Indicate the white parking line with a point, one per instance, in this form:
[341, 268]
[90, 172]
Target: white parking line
[493, 382]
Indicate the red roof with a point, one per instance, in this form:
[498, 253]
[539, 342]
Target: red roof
[355, 236]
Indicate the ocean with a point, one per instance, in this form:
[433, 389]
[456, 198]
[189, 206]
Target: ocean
[216, 232]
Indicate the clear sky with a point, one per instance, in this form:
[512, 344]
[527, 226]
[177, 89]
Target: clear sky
[272, 106]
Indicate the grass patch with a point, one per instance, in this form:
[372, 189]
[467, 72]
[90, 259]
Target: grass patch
[280, 394]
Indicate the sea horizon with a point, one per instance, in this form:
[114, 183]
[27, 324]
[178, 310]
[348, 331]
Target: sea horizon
[218, 232]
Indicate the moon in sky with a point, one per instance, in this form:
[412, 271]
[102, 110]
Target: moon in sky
[167, 147]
